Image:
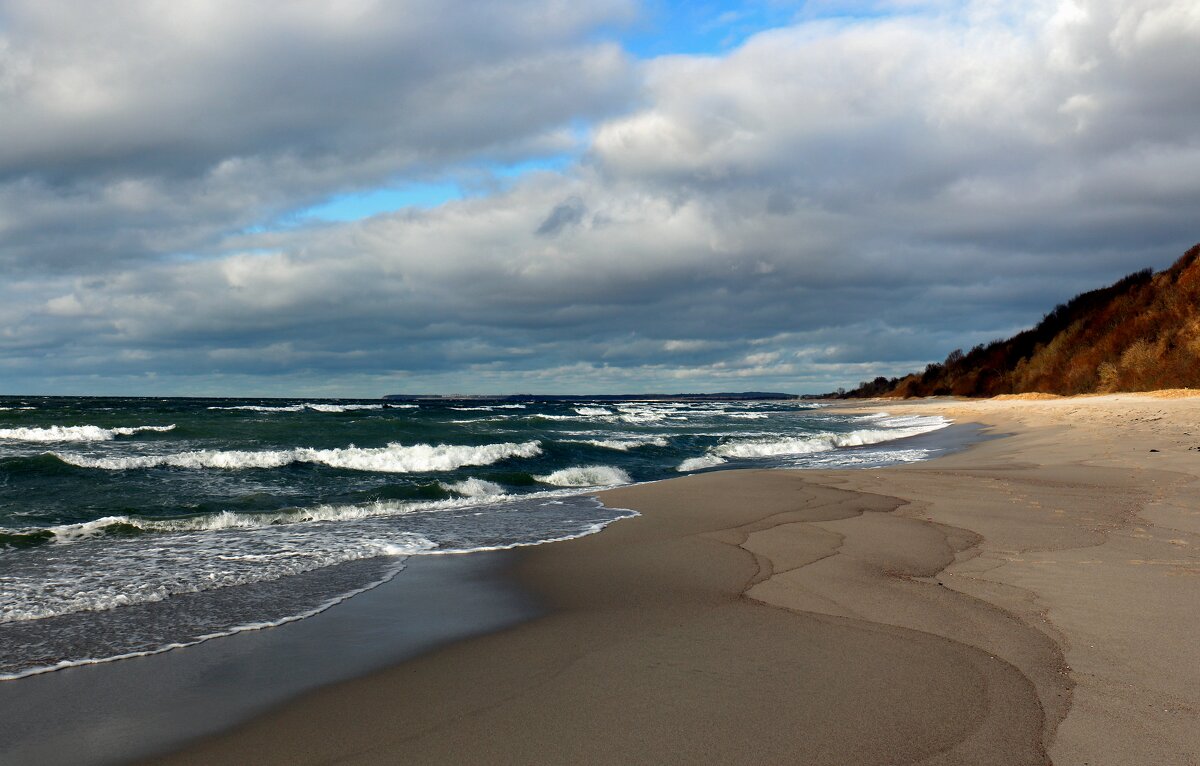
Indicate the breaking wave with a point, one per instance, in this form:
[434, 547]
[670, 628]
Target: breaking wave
[472, 487]
[897, 428]
[586, 476]
[624, 445]
[892, 428]
[696, 463]
[394, 458]
[313, 406]
[592, 411]
[75, 433]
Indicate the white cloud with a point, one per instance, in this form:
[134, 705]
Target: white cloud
[827, 202]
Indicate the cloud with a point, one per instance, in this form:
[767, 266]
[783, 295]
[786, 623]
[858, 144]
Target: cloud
[131, 131]
[569, 212]
[827, 202]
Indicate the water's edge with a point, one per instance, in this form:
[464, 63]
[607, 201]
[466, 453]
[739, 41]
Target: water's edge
[121, 711]
[117, 712]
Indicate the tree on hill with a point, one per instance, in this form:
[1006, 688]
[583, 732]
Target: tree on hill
[1138, 334]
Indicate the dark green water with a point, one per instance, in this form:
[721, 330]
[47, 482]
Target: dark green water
[132, 525]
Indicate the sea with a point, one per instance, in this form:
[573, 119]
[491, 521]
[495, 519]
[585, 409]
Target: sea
[131, 526]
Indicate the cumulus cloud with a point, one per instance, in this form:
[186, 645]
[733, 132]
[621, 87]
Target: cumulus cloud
[826, 202]
[132, 130]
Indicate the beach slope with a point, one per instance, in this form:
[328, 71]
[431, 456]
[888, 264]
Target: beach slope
[1032, 599]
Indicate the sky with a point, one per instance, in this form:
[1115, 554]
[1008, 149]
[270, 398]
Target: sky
[362, 197]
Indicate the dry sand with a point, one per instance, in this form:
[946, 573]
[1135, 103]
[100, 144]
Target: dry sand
[1033, 599]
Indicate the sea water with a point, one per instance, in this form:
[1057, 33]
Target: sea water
[133, 526]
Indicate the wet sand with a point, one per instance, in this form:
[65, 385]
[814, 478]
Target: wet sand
[113, 712]
[1033, 599]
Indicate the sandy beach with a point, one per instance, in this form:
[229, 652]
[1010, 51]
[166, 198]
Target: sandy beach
[1032, 599]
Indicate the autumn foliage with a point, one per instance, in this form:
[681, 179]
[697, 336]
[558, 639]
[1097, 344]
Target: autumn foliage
[1140, 334]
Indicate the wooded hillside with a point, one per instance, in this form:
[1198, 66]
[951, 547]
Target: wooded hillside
[1139, 334]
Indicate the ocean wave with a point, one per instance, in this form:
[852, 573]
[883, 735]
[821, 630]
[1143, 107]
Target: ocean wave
[490, 408]
[592, 411]
[261, 559]
[472, 487]
[313, 406]
[75, 433]
[624, 445]
[394, 458]
[640, 415]
[227, 520]
[586, 476]
[194, 565]
[696, 463]
[895, 428]
[476, 493]
[34, 670]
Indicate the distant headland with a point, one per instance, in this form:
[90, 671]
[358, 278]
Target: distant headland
[722, 396]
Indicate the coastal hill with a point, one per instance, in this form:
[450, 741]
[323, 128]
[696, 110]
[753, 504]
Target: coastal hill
[1140, 334]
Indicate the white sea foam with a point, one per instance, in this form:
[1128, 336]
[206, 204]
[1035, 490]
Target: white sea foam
[75, 433]
[187, 564]
[895, 428]
[639, 415]
[696, 463]
[490, 408]
[747, 415]
[329, 603]
[591, 529]
[314, 406]
[205, 552]
[868, 458]
[225, 520]
[593, 411]
[141, 574]
[472, 487]
[624, 445]
[394, 458]
[586, 476]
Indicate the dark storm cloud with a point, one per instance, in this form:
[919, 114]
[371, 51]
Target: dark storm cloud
[821, 205]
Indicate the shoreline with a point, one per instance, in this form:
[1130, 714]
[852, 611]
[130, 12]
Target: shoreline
[1029, 600]
[164, 700]
[118, 711]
